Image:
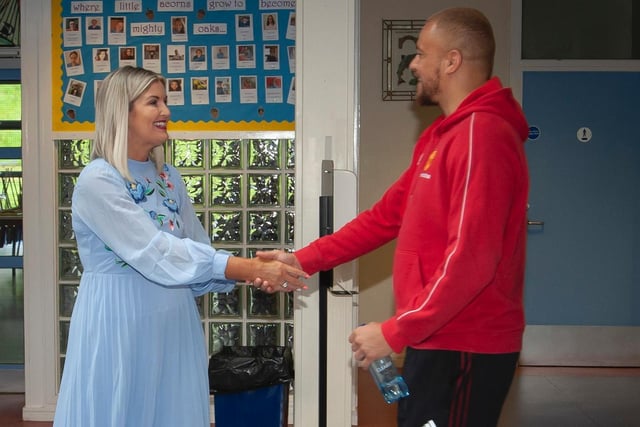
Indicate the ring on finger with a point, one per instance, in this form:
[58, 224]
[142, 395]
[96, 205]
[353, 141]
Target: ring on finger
[285, 285]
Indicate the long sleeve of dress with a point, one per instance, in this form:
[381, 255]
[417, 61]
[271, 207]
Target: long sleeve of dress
[103, 205]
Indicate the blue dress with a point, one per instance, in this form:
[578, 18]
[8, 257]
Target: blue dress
[136, 353]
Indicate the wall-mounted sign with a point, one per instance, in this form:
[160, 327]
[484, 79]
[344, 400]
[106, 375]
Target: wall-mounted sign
[584, 134]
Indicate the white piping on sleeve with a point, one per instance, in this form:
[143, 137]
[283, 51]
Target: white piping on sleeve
[462, 217]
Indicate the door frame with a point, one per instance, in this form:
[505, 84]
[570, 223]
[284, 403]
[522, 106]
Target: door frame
[326, 129]
[563, 345]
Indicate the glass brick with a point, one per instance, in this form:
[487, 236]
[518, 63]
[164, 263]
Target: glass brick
[288, 334]
[70, 266]
[263, 334]
[291, 190]
[65, 230]
[64, 335]
[224, 304]
[226, 153]
[188, 153]
[288, 305]
[66, 184]
[68, 295]
[226, 190]
[74, 153]
[291, 154]
[195, 188]
[251, 252]
[261, 304]
[264, 190]
[243, 213]
[233, 251]
[200, 305]
[264, 226]
[224, 334]
[226, 226]
[289, 217]
[201, 216]
[264, 154]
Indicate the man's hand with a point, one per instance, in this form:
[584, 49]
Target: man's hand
[276, 255]
[368, 344]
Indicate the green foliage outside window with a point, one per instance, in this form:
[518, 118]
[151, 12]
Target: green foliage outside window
[10, 110]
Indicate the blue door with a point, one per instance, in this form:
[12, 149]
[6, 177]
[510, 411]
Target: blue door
[583, 261]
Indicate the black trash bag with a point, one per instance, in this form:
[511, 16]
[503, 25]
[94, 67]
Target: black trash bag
[241, 368]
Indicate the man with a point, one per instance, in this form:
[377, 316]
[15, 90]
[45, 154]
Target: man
[94, 25]
[73, 59]
[458, 213]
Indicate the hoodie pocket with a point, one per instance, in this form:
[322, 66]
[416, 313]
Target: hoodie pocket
[408, 280]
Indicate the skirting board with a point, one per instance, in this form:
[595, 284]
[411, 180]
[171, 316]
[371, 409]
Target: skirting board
[614, 346]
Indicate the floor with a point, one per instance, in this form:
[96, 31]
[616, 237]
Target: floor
[549, 397]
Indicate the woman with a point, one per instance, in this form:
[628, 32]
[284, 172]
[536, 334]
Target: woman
[136, 354]
[178, 26]
[270, 23]
[102, 55]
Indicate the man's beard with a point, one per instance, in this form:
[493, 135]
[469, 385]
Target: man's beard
[425, 94]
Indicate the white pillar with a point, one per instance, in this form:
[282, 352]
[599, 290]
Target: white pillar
[38, 154]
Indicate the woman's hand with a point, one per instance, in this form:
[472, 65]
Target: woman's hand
[278, 255]
[268, 275]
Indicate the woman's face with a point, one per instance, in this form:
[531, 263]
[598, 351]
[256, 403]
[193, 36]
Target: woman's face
[148, 122]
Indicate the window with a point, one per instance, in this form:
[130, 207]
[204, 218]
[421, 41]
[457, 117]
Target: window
[10, 126]
[243, 192]
[580, 29]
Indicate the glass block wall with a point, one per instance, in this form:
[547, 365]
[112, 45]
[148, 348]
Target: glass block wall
[243, 192]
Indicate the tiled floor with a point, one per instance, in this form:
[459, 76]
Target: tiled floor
[539, 397]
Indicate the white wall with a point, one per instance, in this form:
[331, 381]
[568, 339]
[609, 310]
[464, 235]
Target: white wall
[389, 129]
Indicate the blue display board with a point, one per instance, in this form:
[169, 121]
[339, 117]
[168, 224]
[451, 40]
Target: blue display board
[229, 64]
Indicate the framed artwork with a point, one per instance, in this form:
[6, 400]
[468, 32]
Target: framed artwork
[399, 39]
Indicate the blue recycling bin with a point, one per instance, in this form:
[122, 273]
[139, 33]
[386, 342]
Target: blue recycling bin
[264, 407]
[250, 386]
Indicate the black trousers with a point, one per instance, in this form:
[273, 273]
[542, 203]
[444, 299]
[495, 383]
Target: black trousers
[455, 389]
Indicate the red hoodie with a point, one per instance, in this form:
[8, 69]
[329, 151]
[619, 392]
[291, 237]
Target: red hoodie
[459, 214]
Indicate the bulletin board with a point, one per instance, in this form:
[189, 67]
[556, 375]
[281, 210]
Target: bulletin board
[229, 65]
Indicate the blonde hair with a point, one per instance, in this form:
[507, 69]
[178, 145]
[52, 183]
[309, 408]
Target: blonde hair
[115, 96]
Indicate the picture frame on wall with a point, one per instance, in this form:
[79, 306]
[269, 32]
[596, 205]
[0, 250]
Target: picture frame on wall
[399, 39]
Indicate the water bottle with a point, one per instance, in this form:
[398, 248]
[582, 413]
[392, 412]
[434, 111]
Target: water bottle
[388, 379]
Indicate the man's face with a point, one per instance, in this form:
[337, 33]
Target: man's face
[426, 66]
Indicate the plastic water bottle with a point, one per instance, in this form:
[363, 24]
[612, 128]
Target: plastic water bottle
[388, 379]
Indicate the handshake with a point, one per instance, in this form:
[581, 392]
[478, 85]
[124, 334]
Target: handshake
[292, 273]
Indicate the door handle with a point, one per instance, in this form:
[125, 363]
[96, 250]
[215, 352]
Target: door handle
[535, 223]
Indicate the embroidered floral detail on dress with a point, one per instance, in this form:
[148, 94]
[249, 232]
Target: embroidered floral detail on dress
[157, 217]
[139, 191]
[164, 183]
[119, 262]
[171, 204]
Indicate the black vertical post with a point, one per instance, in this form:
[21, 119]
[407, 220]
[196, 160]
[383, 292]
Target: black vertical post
[325, 283]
